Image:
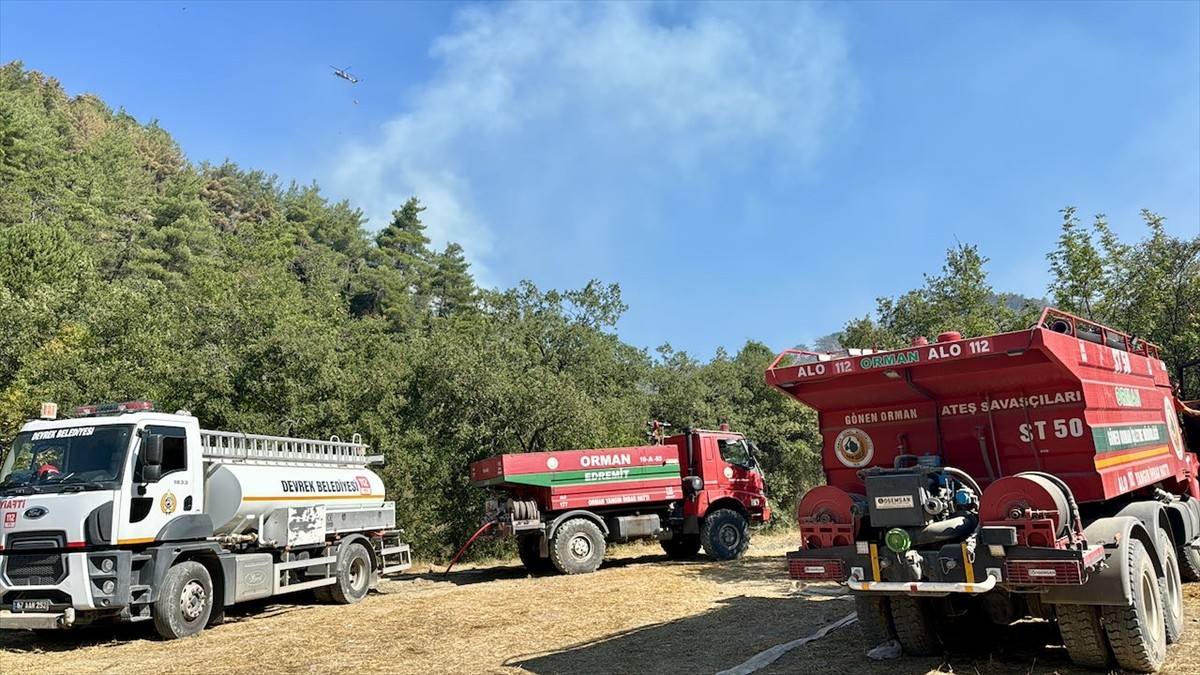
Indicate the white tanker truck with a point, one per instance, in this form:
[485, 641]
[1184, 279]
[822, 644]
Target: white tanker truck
[123, 513]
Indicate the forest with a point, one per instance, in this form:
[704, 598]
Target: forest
[128, 272]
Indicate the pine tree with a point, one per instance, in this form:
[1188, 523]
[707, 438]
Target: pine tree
[453, 288]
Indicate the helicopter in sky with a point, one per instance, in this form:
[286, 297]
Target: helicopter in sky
[342, 73]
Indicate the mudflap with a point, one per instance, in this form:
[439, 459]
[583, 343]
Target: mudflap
[1109, 586]
[1184, 515]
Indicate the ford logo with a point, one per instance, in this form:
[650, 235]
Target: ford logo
[36, 512]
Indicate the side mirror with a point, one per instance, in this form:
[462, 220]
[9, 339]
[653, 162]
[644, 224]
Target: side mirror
[152, 458]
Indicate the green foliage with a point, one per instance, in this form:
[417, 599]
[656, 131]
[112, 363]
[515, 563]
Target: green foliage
[1150, 288]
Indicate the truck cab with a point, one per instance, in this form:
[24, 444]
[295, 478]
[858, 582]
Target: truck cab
[721, 467]
[72, 491]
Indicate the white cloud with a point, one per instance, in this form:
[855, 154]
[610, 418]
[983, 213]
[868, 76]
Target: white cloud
[535, 100]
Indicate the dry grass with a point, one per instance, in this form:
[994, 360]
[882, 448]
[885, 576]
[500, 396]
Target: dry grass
[639, 613]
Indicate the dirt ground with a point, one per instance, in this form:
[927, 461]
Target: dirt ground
[640, 613]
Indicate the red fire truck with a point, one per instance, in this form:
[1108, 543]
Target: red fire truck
[695, 489]
[1040, 473]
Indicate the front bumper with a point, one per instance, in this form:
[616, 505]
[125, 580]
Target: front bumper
[10, 620]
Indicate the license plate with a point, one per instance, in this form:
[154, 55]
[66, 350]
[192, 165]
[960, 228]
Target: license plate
[31, 605]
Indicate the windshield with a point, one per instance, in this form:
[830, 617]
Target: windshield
[52, 459]
[737, 451]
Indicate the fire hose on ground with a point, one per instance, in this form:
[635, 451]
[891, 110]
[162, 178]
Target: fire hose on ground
[467, 545]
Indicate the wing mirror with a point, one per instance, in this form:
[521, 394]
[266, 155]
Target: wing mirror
[152, 458]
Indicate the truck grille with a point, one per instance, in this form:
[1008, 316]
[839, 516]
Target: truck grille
[43, 564]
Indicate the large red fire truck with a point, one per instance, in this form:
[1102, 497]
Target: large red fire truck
[1038, 473]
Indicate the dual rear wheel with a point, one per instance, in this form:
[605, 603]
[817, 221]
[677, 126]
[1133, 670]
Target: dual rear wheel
[1133, 636]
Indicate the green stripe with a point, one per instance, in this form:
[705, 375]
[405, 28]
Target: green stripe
[1111, 439]
[599, 475]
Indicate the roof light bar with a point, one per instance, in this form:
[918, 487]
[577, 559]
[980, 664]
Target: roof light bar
[98, 409]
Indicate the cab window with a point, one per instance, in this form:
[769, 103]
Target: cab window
[174, 449]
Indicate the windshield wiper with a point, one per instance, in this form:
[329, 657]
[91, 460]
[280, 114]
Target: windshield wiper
[83, 485]
[19, 490]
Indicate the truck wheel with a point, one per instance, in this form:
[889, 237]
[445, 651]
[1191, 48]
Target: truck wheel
[1083, 635]
[1172, 590]
[577, 547]
[726, 535]
[1137, 633]
[1189, 563]
[874, 618]
[529, 547]
[681, 546]
[184, 601]
[353, 577]
[913, 620]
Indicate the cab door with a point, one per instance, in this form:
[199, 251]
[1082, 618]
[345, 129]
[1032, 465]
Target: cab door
[738, 469]
[149, 505]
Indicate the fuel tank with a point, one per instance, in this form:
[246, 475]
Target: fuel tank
[236, 495]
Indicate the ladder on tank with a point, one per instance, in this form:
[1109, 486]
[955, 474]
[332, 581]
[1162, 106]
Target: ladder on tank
[230, 446]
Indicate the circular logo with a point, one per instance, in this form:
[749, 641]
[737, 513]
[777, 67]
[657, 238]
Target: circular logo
[35, 512]
[552, 463]
[854, 448]
[167, 503]
[1174, 433]
[729, 472]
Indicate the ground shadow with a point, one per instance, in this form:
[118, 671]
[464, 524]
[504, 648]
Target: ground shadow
[741, 627]
[721, 638]
[1026, 644]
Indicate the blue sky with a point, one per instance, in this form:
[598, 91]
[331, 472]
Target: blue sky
[743, 171]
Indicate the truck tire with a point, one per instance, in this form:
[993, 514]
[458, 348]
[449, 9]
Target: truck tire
[912, 618]
[726, 535]
[1083, 635]
[577, 547]
[681, 546]
[1137, 633]
[529, 548]
[1171, 587]
[874, 618]
[184, 602]
[1189, 563]
[353, 577]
